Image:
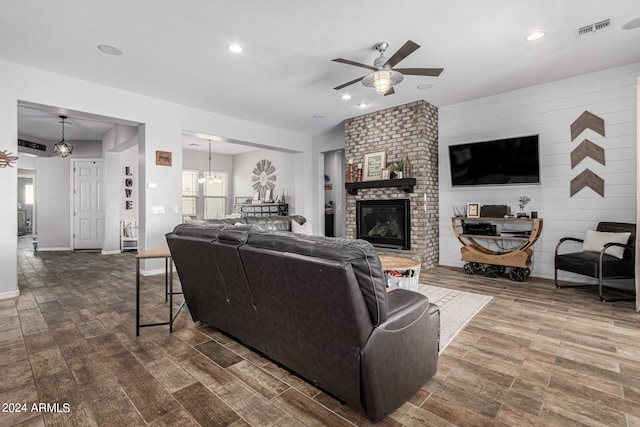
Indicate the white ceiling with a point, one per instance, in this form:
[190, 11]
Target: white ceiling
[176, 51]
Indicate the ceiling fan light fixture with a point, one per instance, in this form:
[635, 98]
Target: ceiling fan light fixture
[382, 80]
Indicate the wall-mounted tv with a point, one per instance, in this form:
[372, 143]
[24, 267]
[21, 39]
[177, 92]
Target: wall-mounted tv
[499, 162]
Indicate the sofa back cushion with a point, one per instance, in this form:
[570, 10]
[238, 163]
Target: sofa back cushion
[213, 279]
[266, 223]
[189, 245]
[316, 314]
[358, 253]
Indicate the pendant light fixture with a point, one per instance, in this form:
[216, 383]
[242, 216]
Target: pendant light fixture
[209, 177]
[63, 148]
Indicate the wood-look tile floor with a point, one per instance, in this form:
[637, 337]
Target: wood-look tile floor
[535, 355]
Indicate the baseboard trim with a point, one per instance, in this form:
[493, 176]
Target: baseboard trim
[41, 249]
[110, 252]
[11, 294]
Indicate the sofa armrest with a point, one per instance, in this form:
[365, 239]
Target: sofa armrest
[401, 353]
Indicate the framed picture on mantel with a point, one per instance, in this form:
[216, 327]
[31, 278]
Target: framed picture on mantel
[373, 165]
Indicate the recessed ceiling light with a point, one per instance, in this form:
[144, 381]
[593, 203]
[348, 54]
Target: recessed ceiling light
[319, 116]
[346, 97]
[362, 104]
[631, 25]
[425, 86]
[534, 36]
[109, 50]
[235, 48]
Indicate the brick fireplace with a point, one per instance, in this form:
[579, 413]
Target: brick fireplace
[406, 131]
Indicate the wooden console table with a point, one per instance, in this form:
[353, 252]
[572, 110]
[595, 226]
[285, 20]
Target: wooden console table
[479, 257]
[160, 251]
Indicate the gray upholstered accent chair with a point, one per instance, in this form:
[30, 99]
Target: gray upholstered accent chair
[600, 264]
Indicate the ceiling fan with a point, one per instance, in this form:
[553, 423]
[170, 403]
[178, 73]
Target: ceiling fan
[384, 76]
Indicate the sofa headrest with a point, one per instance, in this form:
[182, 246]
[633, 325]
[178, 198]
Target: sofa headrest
[237, 233]
[198, 228]
[275, 223]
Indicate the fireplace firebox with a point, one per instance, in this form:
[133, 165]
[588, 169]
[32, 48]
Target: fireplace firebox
[384, 223]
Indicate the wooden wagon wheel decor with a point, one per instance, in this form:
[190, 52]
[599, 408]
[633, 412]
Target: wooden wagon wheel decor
[263, 177]
[6, 159]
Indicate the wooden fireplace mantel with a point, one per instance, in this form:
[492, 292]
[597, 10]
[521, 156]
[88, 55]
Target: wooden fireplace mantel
[406, 184]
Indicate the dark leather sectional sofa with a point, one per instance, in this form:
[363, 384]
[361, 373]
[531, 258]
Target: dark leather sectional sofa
[315, 305]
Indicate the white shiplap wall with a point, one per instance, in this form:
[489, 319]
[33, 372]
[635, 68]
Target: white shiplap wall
[549, 110]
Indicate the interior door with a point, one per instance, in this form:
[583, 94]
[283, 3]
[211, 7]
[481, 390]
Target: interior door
[88, 213]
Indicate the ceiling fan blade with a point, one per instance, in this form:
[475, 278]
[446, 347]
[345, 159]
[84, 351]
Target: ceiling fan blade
[348, 83]
[407, 49]
[356, 64]
[391, 91]
[434, 72]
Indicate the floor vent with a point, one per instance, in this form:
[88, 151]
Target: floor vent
[593, 28]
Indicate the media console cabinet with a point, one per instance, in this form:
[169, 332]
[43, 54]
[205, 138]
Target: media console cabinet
[510, 246]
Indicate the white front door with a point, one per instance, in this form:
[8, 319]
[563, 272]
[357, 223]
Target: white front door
[88, 215]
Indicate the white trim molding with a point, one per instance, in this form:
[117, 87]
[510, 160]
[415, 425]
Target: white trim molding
[12, 294]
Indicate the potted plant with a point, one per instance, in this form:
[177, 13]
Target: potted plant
[522, 202]
[399, 169]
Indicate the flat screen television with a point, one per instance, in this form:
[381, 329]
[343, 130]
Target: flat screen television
[507, 161]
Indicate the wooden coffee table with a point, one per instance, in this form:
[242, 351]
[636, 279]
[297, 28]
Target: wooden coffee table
[409, 269]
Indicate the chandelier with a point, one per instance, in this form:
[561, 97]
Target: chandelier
[209, 177]
[63, 148]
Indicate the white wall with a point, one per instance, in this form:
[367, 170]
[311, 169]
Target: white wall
[52, 200]
[284, 163]
[163, 125]
[549, 110]
[119, 149]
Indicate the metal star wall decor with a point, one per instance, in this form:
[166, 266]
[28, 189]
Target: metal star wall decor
[6, 159]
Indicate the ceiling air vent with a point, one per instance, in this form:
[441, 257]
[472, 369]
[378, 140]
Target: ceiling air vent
[593, 28]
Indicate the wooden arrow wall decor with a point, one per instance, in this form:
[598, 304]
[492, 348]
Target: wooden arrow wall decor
[587, 149]
[587, 179]
[587, 120]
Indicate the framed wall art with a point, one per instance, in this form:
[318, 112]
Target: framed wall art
[163, 158]
[374, 163]
[473, 210]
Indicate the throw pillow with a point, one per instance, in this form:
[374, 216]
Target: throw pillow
[594, 241]
[301, 229]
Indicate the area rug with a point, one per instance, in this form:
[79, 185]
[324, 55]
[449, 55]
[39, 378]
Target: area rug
[457, 308]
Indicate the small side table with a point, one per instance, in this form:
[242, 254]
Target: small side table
[408, 268]
[160, 251]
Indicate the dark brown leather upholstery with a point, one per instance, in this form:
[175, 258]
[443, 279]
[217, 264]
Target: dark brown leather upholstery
[316, 305]
[592, 264]
[269, 223]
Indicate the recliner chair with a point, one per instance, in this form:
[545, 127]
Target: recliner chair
[600, 265]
